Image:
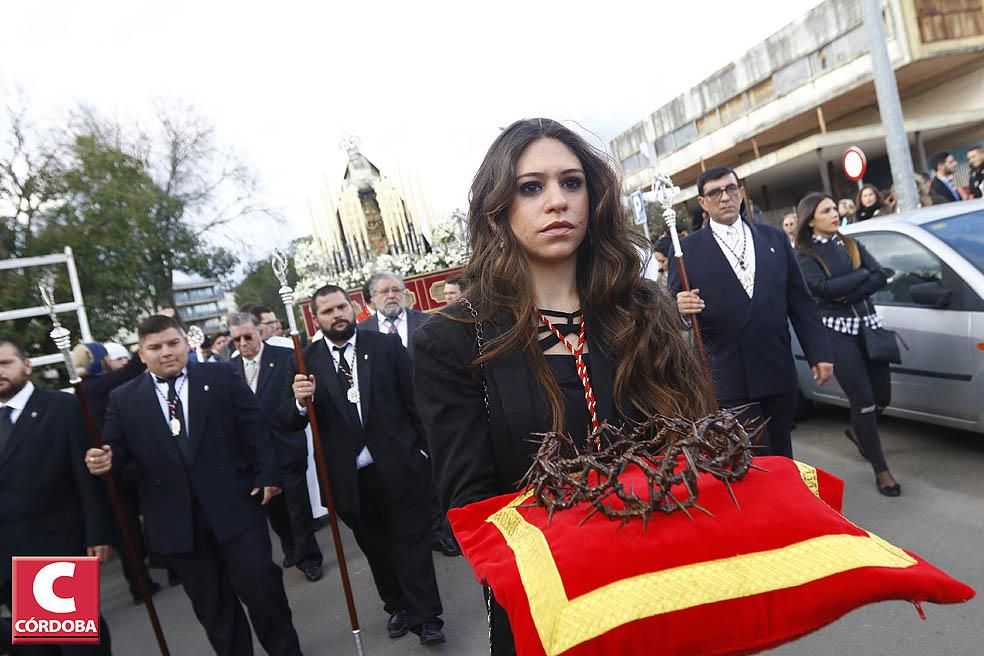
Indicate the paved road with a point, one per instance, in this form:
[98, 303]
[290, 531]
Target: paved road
[939, 516]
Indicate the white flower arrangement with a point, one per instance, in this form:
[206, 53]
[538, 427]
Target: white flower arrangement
[448, 250]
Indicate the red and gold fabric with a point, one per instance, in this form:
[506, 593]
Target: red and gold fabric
[745, 578]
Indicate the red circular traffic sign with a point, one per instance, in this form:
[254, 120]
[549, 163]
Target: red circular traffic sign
[854, 163]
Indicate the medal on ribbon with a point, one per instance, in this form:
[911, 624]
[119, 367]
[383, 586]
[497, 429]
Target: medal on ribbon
[353, 395]
[175, 426]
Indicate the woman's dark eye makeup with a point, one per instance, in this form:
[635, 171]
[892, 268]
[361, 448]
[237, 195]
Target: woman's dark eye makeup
[532, 187]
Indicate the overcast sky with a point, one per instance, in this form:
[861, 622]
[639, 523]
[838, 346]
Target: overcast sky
[425, 85]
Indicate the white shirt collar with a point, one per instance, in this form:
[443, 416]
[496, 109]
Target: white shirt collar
[384, 320]
[258, 357]
[722, 229]
[184, 372]
[19, 400]
[350, 341]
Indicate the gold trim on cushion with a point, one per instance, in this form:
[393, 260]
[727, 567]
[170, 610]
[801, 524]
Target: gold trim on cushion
[564, 623]
[809, 476]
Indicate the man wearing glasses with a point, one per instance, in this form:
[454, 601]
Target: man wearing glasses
[747, 286]
[269, 326]
[263, 367]
[389, 295]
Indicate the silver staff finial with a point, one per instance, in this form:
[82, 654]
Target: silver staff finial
[279, 263]
[665, 191]
[59, 334]
[196, 337]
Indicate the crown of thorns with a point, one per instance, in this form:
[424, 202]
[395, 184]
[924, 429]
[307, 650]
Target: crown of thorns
[671, 452]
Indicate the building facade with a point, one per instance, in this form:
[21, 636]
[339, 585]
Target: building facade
[784, 113]
[201, 303]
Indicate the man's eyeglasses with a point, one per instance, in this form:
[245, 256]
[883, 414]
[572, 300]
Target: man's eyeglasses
[715, 194]
[270, 322]
[245, 338]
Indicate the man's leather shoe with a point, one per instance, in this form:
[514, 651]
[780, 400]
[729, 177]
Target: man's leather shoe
[312, 571]
[431, 634]
[397, 625]
[446, 546]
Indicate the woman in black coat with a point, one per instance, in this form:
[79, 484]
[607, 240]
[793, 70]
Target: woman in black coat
[554, 278]
[843, 275]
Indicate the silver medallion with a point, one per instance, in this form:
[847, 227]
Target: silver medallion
[353, 395]
[175, 426]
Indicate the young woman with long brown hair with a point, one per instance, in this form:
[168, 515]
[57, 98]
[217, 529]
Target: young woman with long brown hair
[554, 277]
[842, 275]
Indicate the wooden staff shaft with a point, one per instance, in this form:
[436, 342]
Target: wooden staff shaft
[129, 544]
[698, 337]
[325, 485]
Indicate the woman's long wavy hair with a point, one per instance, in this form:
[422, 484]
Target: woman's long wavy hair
[805, 212]
[656, 371]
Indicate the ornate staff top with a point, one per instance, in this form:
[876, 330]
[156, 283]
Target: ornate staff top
[665, 191]
[278, 260]
[59, 334]
[196, 337]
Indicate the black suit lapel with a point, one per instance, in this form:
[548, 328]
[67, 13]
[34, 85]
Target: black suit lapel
[267, 365]
[363, 364]
[328, 381]
[147, 397]
[27, 421]
[720, 276]
[765, 266]
[198, 397]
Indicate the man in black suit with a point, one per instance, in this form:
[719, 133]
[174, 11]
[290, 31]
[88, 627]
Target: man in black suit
[374, 446]
[100, 377]
[49, 505]
[207, 465]
[942, 190]
[264, 368]
[747, 286]
[388, 294]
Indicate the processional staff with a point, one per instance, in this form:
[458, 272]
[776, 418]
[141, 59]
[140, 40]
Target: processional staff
[664, 191]
[279, 263]
[195, 340]
[63, 340]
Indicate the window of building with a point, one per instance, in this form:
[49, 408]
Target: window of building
[761, 92]
[732, 109]
[684, 135]
[844, 48]
[792, 76]
[941, 20]
[633, 163]
[709, 122]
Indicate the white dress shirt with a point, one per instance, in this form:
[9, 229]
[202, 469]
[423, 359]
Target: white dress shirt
[181, 387]
[252, 377]
[18, 401]
[732, 236]
[401, 325]
[364, 459]
[278, 340]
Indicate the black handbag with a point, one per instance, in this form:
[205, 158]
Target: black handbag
[880, 344]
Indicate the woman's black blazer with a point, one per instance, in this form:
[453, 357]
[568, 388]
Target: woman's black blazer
[478, 454]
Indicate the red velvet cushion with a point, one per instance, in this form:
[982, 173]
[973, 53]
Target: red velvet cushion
[782, 565]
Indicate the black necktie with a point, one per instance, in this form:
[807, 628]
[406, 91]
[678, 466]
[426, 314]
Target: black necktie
[6, 426]
[176, 410]
[344, 371]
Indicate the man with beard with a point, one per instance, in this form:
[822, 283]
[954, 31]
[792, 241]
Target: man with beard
[389, 295]
[375, 450]
[49, 505]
